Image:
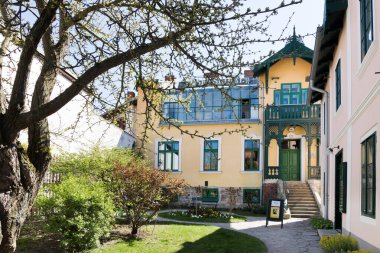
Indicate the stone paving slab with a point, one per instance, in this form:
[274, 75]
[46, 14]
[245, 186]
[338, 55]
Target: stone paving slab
[297, 235]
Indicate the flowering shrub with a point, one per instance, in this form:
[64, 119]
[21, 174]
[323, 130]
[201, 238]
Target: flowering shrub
[338, 243]
[204, 212]
[201, 213]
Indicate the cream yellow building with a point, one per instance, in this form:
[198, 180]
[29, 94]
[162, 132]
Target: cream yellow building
[217, 136]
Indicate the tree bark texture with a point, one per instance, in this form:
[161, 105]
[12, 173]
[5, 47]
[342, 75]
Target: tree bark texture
[19, 186]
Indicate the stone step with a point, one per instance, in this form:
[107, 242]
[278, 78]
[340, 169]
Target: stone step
[303, 190]
[303, 205]
[303, 212]
[301, 209]
[301, 199]
[295, 191]
[301, 202]
[300, 194]
[303, 215]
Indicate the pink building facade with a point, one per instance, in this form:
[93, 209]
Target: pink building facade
[346, 80]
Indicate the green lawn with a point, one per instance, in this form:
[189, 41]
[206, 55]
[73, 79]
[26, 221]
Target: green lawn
[177, 216]
[185, 238]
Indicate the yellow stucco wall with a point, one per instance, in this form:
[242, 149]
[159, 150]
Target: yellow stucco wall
[286, 72]
[191, 149]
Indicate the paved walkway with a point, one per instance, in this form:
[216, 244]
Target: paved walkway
[297, 236]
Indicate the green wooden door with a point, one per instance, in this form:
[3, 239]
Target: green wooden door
[290, 164]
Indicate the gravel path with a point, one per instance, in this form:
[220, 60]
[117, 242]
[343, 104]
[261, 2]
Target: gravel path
[297, 235]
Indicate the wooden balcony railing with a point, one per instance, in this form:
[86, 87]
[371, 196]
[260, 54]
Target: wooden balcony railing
[272, 172]
[292, 112]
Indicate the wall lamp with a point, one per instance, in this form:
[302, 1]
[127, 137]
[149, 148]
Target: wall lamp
[331, 149]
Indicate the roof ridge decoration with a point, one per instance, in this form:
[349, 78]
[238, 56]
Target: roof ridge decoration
[293, 48]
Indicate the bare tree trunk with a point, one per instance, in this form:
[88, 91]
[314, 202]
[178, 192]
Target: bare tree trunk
[134, 230]
[18, 188]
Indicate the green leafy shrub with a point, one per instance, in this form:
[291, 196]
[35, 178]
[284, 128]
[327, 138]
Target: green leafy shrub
[338, 243]
[321, 223]
[79, 209]
[258, 209]
[96, 163]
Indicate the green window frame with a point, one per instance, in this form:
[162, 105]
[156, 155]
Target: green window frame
[368, 164]
[171, 110]
[290, 94]
[251, 155]
[338, 86]
[254, 195]
[305, 93]
[366, 26]
[210, 195]
[276, 97]
[211, 155]
[168, 155]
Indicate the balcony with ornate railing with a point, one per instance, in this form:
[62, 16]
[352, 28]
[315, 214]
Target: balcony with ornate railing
[272, 172]
[292, 112]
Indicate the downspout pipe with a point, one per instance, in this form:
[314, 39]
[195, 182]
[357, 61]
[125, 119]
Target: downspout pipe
[326, 147]
[317, 47]
[262, 153]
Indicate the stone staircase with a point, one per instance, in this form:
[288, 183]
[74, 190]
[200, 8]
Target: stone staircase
[301, 200]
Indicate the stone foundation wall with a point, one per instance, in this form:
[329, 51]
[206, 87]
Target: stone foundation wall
[269, 191]
[186, 200]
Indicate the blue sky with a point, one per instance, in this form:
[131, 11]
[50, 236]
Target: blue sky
[307, 16]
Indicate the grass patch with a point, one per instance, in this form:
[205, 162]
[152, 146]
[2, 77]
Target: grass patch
[183, 216]
[35, 238]
[185, 238]
[321, 223]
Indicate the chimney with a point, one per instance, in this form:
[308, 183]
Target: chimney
[170, 78]
[248, 73]
[130, 94]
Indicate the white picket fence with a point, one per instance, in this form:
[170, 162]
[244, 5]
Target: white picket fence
[50, 178]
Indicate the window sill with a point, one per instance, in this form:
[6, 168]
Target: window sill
[367, 58]
[370, 220]
[250, 171]
[210, 172]
[171, 171]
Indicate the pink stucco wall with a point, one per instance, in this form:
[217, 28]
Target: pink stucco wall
[357, 117]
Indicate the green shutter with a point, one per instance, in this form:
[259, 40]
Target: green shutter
[344, 175]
